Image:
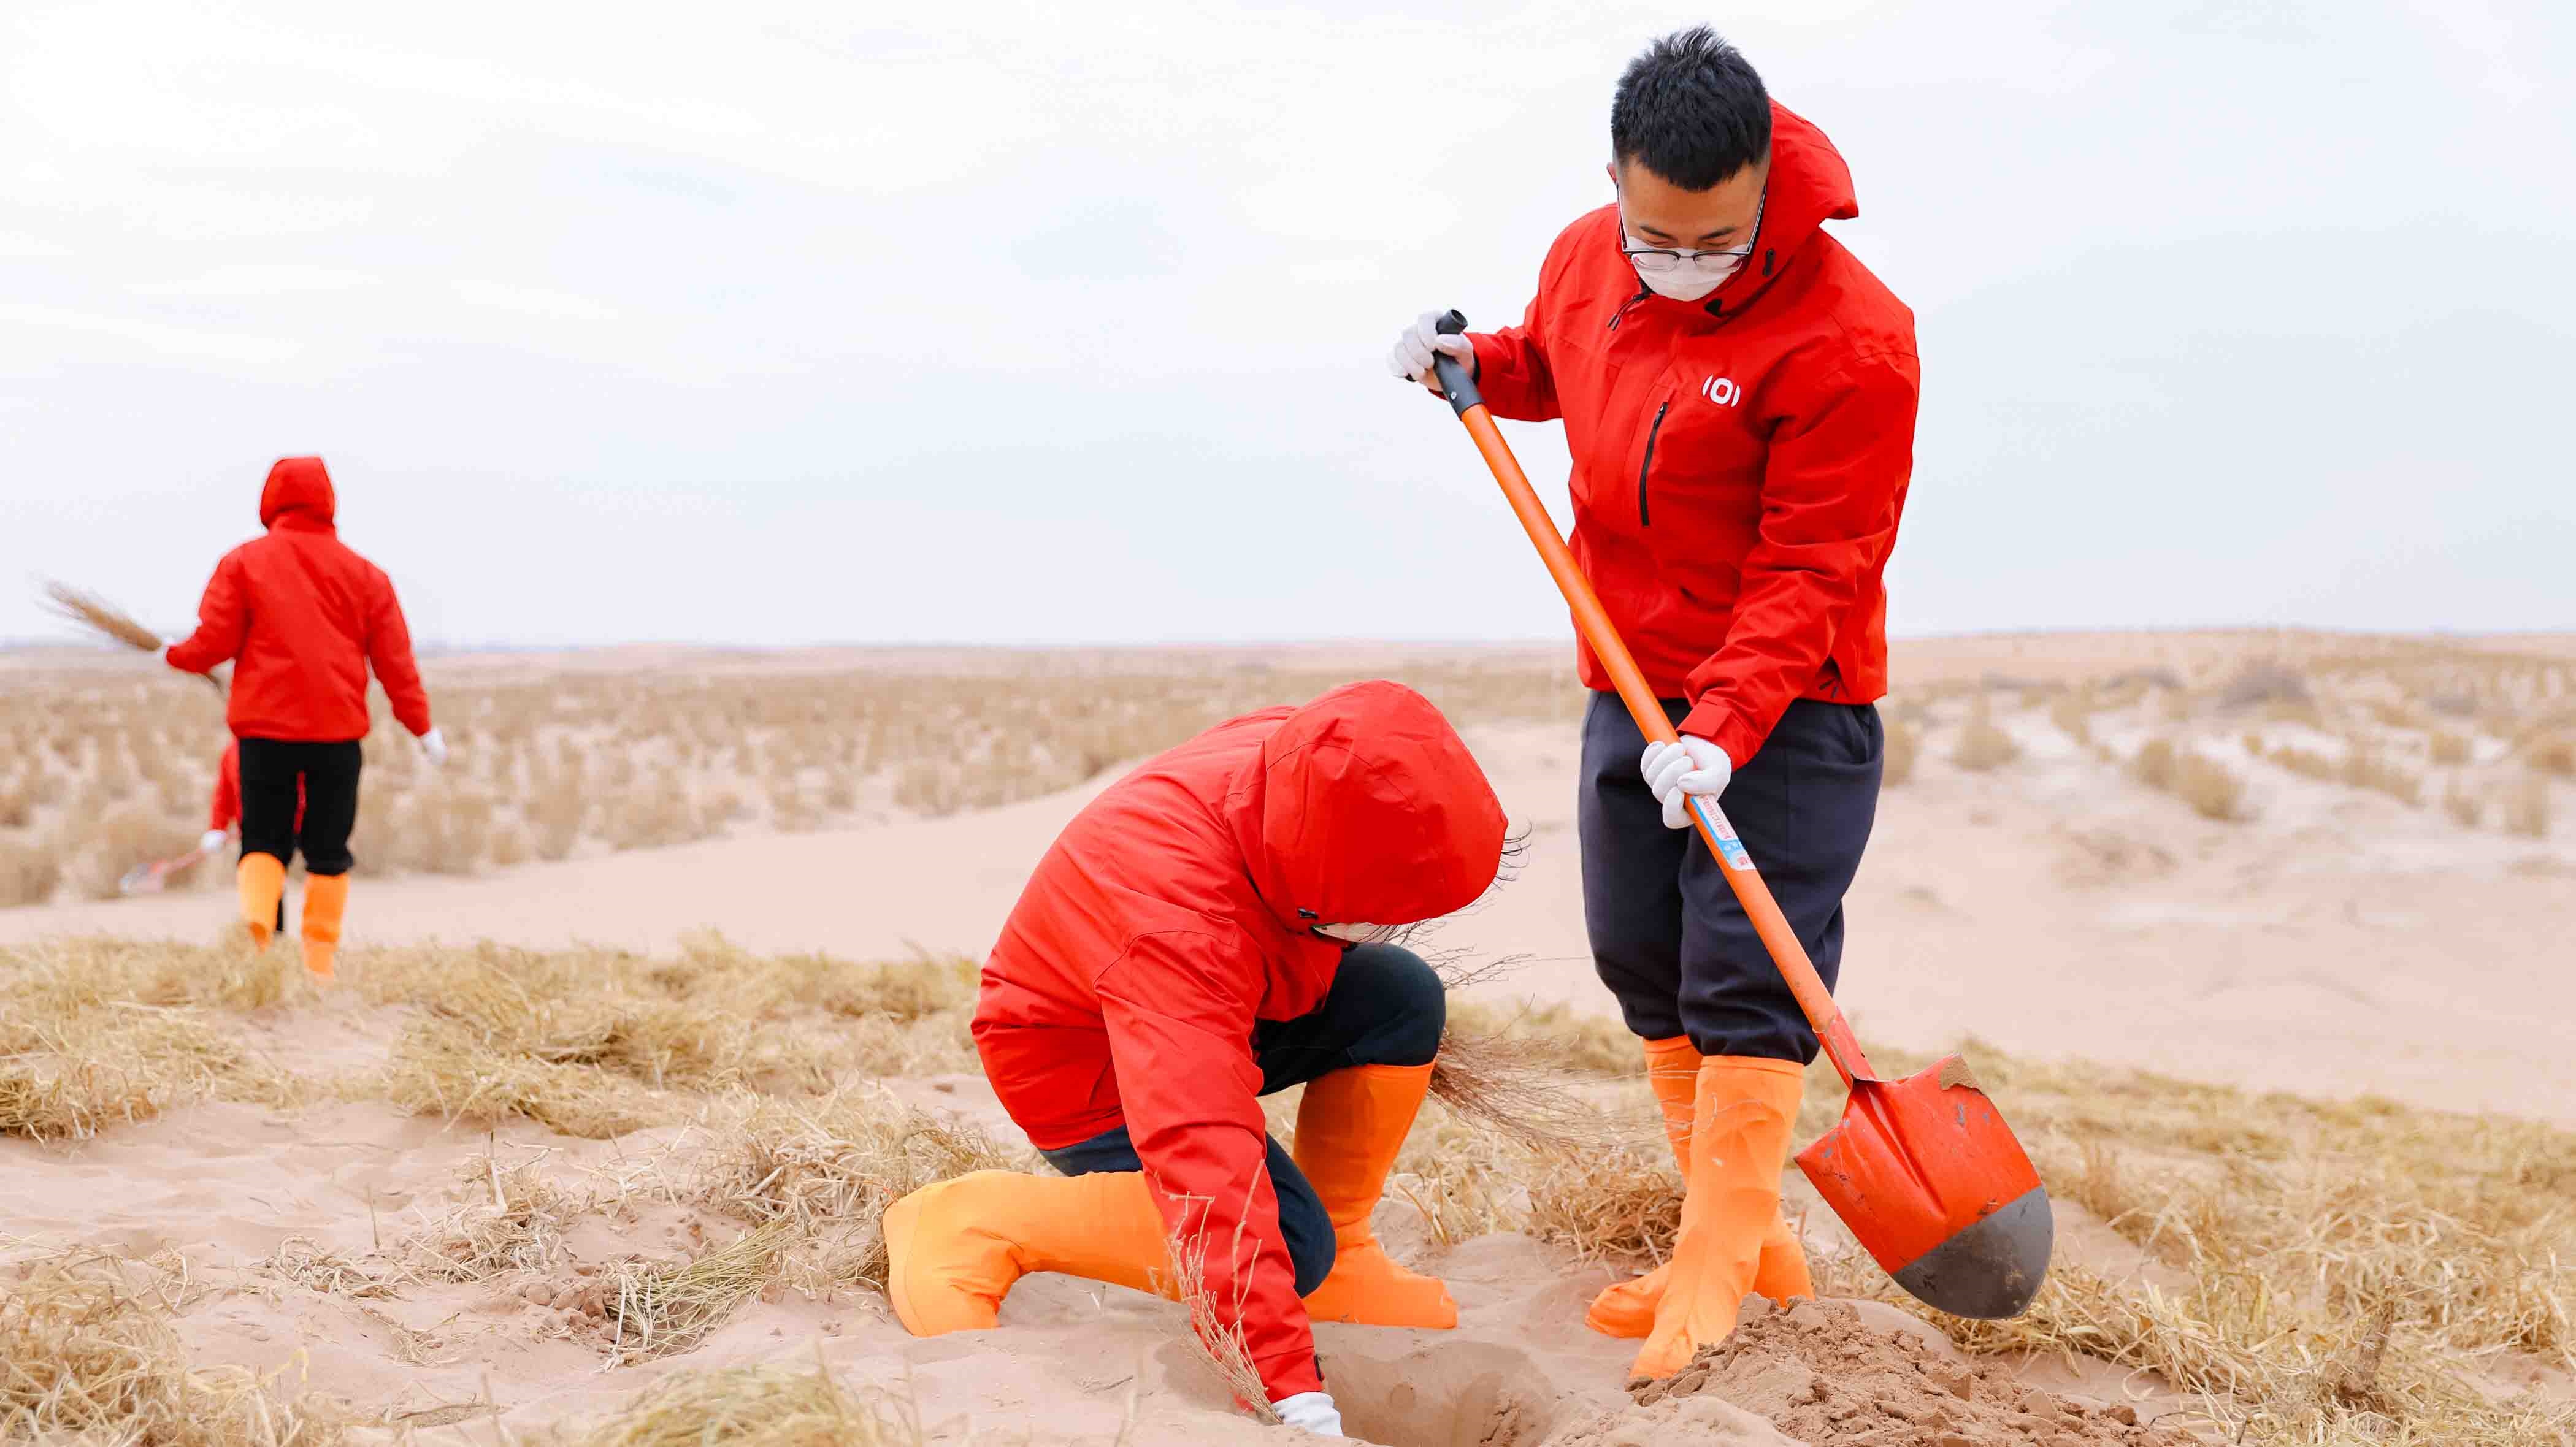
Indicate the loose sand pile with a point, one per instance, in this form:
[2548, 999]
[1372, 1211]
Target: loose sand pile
[1821, 1374]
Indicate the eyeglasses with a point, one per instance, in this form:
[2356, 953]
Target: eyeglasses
[1660, 259]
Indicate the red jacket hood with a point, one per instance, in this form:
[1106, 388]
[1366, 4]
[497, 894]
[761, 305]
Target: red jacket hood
[1366, 806]
[297, 485]
[1808, 186]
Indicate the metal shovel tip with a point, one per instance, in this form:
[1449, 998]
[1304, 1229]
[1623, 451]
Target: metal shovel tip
[1992, 1269]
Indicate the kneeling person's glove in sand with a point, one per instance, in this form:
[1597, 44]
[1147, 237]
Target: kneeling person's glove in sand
[433, 746]
[1676, 771]
[1310, 1412]
[210, 842]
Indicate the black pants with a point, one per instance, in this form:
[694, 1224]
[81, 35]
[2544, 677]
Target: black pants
[1667, 935]
[270, 770]
[1386, 1007]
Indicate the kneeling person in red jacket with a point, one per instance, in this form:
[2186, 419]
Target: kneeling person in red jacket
[1212, 929]
[301, 618]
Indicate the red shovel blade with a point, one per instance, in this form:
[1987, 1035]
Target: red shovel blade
[1928, 1176]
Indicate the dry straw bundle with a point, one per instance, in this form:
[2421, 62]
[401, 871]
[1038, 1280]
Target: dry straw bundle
[1216, 1330]
[99, 616]
[107, 621]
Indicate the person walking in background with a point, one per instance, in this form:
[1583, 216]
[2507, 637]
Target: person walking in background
[302, 618]
[1738, 393]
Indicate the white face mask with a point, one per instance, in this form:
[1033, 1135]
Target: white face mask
[1689, 275]
[1359, 934]
[1686, 283]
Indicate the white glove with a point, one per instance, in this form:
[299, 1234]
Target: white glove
[1674, 772]
[433, 746]
[1415, 350]
[212, 840]
[1311, 1412]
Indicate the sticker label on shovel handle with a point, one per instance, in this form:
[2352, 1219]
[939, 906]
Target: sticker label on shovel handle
[1720, 832]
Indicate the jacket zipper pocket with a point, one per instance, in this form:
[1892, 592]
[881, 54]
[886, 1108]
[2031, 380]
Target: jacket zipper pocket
[1644, 519]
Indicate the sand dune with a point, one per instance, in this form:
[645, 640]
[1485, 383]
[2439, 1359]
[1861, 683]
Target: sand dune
[2324, 931]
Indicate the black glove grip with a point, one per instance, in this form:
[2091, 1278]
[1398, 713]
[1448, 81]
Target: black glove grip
[1455, 380]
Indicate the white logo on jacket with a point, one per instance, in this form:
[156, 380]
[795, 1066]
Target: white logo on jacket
[1722, 391]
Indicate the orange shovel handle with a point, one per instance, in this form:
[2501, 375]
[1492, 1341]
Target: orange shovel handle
[1813, 999]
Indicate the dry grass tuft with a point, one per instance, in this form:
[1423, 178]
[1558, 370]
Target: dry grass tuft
[2213, 790]
[2465, 808]
[85, 1356]
[98, 849]
[304, 1261]
[828, 1169]
[2526, 807]
[513, 1221]
[1904, 746]
[1982, 745]
[2364, 767]
[767, 1406]
[1621, 1204]
[2551, 752]
[72, 1100]
[95, 1035]
[2447, 748]
[442, 829]
[445, 1069]
[2265, 682]
[664, 1308]
[29, 873]
[656, 817]
[2073, 715]
[2306, 763]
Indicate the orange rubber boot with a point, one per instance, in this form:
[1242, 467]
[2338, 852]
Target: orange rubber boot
[1627, 1308]
[1349, 1128]
[1740, 1128]
[260, 879]
[953, 1249]
[325, 897]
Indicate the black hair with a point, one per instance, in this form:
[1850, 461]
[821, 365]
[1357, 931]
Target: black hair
[1691, 110]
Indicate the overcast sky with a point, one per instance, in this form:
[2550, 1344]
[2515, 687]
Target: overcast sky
[785, 323]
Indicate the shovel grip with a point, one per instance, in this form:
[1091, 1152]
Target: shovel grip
[1817, 1003]
[1456, 382]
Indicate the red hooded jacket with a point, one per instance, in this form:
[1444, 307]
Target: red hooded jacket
[1739, 461]
[225, 809]
[302, 617]
[1177, 909]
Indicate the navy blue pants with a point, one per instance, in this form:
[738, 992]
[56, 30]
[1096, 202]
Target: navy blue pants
[1386, 1007]
[1667, 935]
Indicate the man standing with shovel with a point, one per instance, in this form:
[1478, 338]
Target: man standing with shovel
[1739, 398]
